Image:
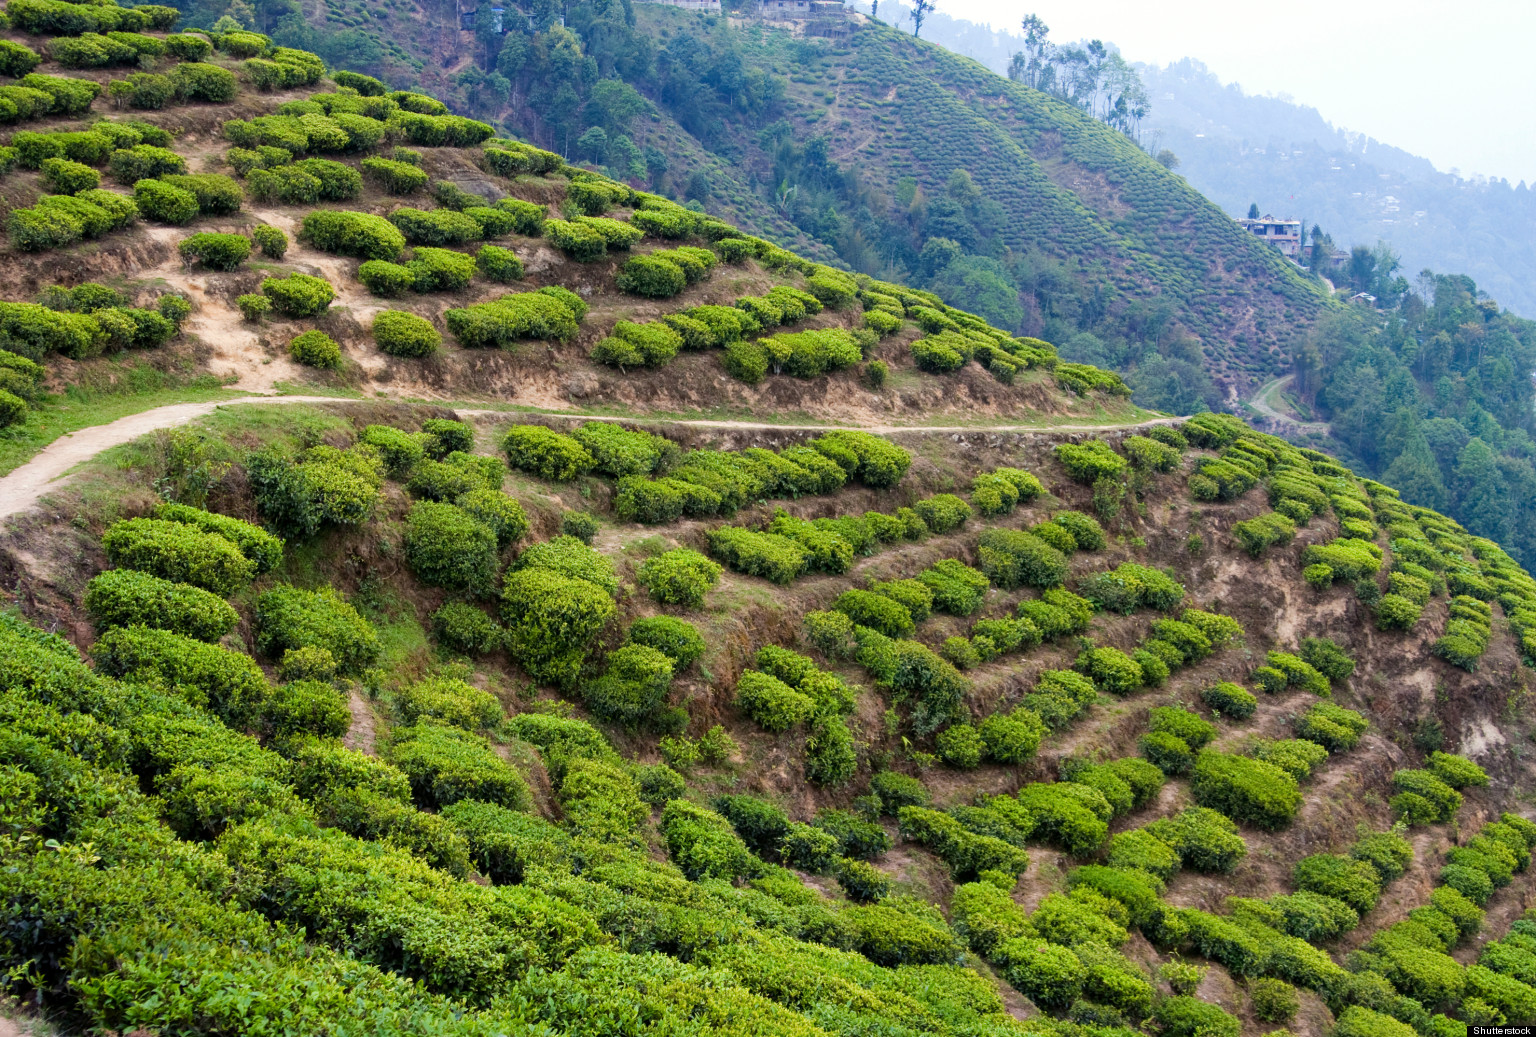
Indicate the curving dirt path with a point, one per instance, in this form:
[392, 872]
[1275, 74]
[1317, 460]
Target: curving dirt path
[49, 470]
[1270, 390]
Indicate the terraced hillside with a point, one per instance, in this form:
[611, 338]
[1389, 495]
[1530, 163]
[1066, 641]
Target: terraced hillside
[496, 699]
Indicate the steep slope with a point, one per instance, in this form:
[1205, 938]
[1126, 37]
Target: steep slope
[873, 146]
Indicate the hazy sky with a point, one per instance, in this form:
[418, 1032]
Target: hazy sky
[1449, 81]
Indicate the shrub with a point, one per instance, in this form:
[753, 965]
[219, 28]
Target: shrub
[123, 597]
[315, 349]
[352, 234]
[632, 688]
[618, 451]
[204, 675]
[679, 577]
[66, 177]
[449, 701]
[1110, 669]
[447, 547]
[1181, 1016]
[398, 178]
[579, 524]
[1335, 728]
[404, 334]
[216, 195]
[1230, 700]
[1353, 882]
[253, 307]
[702, 844]
[435, 227]
[1245, 789]
[830, 756]
[896, 790]
[656, 277]
[272, 242]
[1427, 787]
[288, 617]
[1048, 975]
[875, 611]
[307, 707]
[160, 201]
[546, 453]
[773, 704]
[499, 264]
[219, 251]
[1011, 558]
[1088, 462]
[957, 588]
[961, 746]
[571, 557]
[139, 162]
[1012, 738]
[465, 628]
[773, 557]
[943, 512]
[179, 553]
[498, 512]
[263, 549]
[1258, 534]
[551, 620]
[861, 881]
[677, 639]
[298, 295]
[446, 765]
[874, 461]
[1129, 586]
[1456, 771]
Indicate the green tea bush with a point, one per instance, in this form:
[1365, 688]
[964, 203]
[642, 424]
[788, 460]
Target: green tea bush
[1263, 532]
[405, 334]
[1090, 461]
[1427, 787]
[702, 844]
[957, 588]
[139, 162]
[448, 701]
[1130, 586]
[439, 270]
[943, 512]
[874, 461]
[1456, 771]
[1245, 789]
[679, 577]
[1353, 882]
[1110, 669]
[569, 556]
[315, 349]
[264, 550]
[618, 451]
[1335, 728]
[288, 617]
[1011, 558]
[499, 264]
[204, 675]
[298, 295]
[961, 746]
[435, 226]
[179, 553]
[637, 345]
[498, 512]
[352, 234]
[770, 702]
[546, 453]
[448, 547]
[446, 765]
[397, 178]
[773, 557]
[123, 597]
[163, 203]
[464, 628]
[216, 195]
[66, 177]
[1298, 757]
[1073, 816]
[218, 251]
[1191, 1017]
[632, 688]
[677, 639]
[551, 621]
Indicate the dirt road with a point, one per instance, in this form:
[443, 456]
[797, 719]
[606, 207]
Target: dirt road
[49, 470]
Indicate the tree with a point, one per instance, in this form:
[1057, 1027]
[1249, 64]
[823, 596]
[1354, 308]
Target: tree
[921, 9]
[1037, 50]
[1482, 495]
[488, 33]
[1253, 210]
[1167, 159]
[593, 145]
[1414, 472]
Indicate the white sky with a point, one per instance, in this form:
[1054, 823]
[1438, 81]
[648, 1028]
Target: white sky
[1453, 82]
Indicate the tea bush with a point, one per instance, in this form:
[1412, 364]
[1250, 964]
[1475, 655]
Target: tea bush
[123, 597]
[1245, 789]
[1011, 558]
[298, 295]
[219, 251]
[315, 349]
[679, 577]
[551, 620]
[358, 234]
[178, 553]
[405, 334]
[288, 617]
[546, 453]
[448, 701]
[465, 628]
[446, 765]
[448, 547]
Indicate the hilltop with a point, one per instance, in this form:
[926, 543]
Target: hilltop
[641, 627]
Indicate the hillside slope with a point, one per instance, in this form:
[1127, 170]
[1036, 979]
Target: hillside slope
[491, 697]
[872, 147]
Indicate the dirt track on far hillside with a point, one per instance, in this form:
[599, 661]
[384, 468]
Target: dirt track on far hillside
[26, 485]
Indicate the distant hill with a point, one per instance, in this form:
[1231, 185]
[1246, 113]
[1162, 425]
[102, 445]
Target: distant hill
[1241, 149]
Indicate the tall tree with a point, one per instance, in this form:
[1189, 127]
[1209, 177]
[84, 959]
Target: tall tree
[1482, 496]
[1037, 49]
[921, 9]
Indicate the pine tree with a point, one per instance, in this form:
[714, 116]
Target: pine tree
[1483, 502]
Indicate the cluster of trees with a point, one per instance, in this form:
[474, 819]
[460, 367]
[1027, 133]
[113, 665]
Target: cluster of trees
[1434, 397]
[1090, 75]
